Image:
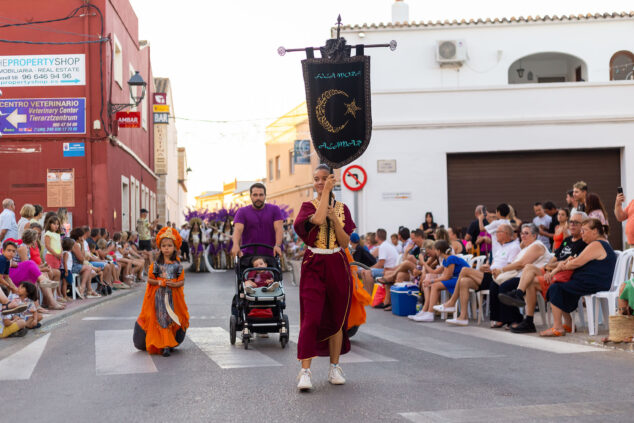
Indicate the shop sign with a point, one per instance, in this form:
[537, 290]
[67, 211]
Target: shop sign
[129, 119]
[50, 70]
[38, 116]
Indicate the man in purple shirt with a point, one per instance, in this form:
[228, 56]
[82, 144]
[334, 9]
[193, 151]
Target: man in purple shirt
[259, 223]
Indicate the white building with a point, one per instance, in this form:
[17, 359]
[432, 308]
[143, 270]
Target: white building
[516, 111]
[170, 164]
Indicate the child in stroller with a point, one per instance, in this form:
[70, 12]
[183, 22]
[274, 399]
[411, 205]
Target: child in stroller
[260, 278]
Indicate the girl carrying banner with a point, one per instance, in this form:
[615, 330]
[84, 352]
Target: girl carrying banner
[164, 317]
[325, 286]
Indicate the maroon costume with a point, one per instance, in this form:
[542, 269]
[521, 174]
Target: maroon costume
[325, 288]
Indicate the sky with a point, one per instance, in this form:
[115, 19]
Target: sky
[228, 82]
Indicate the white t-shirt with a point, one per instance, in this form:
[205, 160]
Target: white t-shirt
[388, 253]
[505, 254]
[7, 221]
[544, 220]
[492, 228]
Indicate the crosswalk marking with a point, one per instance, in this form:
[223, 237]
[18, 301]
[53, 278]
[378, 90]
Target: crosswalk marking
[115, 354]
[537, 412]
[20, 365]
[356, 354]
[106, 318]
[427, 344]
[519, 340]
[214, 341]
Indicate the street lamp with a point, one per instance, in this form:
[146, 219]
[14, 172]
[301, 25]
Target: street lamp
[135, 81]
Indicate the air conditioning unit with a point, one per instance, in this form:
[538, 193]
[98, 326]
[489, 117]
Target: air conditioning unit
[451, 51]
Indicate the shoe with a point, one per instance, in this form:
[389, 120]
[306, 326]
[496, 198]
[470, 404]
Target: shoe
[458, 322]
[380, 305]
[13, 310]
[335, 375]
[272, 287]
[442, 309]
[48, 284]
[166, 352]
[423, 316]
[249, 290]
[20, 333]
[93, 296]
[79, 295]
[513, 299]
[524, 327]
[304, 380]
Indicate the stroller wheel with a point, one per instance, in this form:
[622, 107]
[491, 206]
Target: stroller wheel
[245, 342]
[283, 340]
[352, 331]
[233, 322]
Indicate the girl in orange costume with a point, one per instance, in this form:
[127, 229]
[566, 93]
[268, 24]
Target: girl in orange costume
[164, 317]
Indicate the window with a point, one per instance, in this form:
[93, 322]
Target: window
[291, 164]
[117, 71]
[278, 170]
[270, 170]
[622, 66]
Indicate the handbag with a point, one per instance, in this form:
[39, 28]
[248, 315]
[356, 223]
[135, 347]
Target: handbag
[505, 276]
[563, 276]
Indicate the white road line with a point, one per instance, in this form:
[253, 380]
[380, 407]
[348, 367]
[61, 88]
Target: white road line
[214, 341]
[518, 340]
[356, 354]
[105, 318]
[20, 365]
[115, 354]
[427, 344]
[605, 411]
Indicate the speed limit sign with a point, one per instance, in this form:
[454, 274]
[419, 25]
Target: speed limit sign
[354, 178]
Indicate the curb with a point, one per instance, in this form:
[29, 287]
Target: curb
[52, 319]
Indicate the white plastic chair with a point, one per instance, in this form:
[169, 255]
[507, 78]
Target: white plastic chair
[75, 286]
[608, 299]
[478, 261]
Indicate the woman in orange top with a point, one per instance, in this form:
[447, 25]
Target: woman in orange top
[561, 230]
[164, 317]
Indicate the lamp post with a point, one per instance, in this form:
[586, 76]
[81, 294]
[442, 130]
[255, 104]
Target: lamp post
[135, 81]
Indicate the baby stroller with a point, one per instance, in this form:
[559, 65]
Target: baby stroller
[242, 319]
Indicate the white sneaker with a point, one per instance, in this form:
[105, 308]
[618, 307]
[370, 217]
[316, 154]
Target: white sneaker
[442, 309]
[423, 316]
[457, 322]
[304, 382]
[335, 375]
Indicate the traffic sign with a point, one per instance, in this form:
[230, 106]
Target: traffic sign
[355, 178]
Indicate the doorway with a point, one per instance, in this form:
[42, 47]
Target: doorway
[125, 204]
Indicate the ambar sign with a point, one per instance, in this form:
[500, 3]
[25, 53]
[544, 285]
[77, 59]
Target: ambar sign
[129, 119]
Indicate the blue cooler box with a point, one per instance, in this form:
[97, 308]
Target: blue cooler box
[404, 299]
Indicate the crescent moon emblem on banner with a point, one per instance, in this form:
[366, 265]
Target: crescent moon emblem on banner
[320, 110]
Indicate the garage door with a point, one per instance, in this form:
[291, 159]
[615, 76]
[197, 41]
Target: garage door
[523, 178]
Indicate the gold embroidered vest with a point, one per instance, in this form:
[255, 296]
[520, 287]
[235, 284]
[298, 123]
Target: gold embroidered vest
[324, 235]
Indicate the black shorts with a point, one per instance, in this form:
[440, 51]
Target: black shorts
[487, 280]
[145, 245]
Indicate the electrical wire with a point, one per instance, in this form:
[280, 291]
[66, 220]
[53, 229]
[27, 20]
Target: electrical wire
[58, 31]
[55, 43]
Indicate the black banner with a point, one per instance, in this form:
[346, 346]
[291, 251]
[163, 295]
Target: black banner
[338, 103]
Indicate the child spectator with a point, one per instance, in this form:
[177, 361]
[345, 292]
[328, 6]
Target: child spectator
[67, 266]
[53, 243]
[26, 295]
[260, 278]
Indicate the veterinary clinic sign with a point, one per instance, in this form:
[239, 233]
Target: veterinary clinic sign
[50, 70]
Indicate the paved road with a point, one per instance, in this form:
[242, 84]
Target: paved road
[85, 369]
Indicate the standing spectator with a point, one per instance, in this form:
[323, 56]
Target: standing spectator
[62, 214]
[429, 226]
[184, 233]
[561, 230]
[627, 214]
[500, 218]
[516, 222]
[542, 221]
[26, 214]
[37, 218]
[596, 210]
[579, 193]
[8, 225]
[144, 229]
[473, 230]
[570, 200]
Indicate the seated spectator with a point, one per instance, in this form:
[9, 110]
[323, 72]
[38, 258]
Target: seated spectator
[26, 295]
[551, 210]
[542, 221]
[409, 263]
[371, 243]
[27, 270]
[561, 230]
[482, 279]
[360, 254]
[404, 237]
[625, 214]
[37, 217]
[26, 214]
[13, 326]
[596, 210]
[441, 234]
[429, 226]
[80, 265]
[457, 245]
[260, 278]
[8, 225]
[516, 222]
[36, 250]
[535, 280]
[626, 301]
[125, 264]
[396, 243]
[593, 272]
[448, 270]
[387, 260]
[533, 252]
